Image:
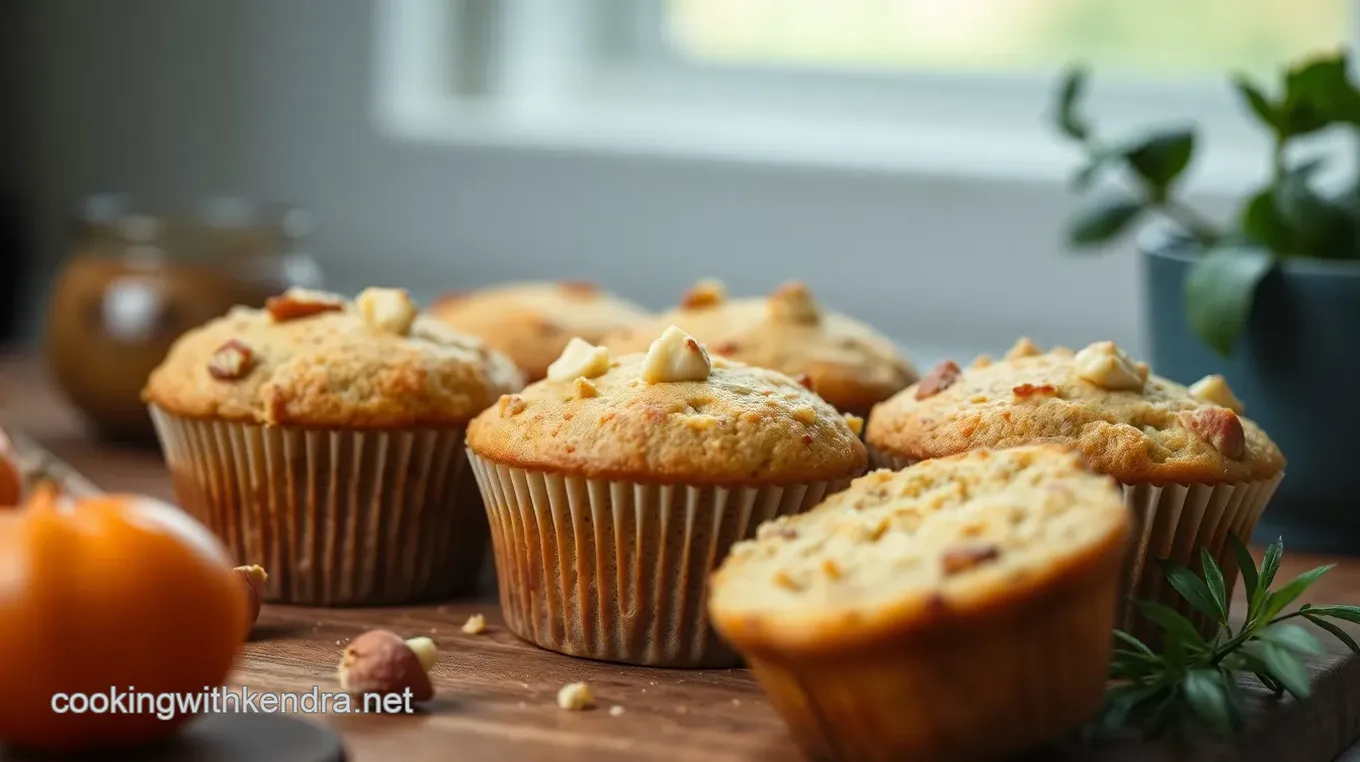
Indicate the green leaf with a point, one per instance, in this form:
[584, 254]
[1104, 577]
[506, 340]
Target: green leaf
[1336, 632]
[1213, 577]
[1073, 85]
[1257, 666]
[1270, 564]
[1121, 702]
[1345, 613]
[1292, 637]
[1271, 683]
[1178, 627]
[1246, 566]
[1260, 220]
[1103, 220]
[1219, 289]
[1192, 589]
[1257, 102]
[1318, 226]
[1318, 94]
[1205, 692]
[1286, 668]
[1161, 157]
[1133, 642]
[1276, 601]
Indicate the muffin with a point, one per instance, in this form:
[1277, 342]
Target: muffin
[532, 322]
[1194, 470]
[323, 439]
[615, 486]
[841, 359]
[957, 610]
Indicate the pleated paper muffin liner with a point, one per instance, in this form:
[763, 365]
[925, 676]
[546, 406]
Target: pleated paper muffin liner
[336, 517]
[966, 693]
[617, 570]
[1172, 521]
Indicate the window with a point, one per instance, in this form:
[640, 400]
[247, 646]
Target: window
[1157, 38]
[935, 85]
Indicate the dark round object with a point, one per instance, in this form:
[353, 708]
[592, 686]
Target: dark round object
[224, 738]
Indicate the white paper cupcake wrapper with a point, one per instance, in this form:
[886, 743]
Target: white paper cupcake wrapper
[617, 570]
[336, 517]
[1172, 521]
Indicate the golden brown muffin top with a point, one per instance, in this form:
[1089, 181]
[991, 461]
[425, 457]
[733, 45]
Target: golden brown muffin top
[671, 415]
[959, 538]
[848, 363]
[1135, 426]
[532, 322]
[316, 359]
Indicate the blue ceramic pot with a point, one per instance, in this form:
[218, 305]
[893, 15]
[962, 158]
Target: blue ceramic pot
[1296, 368]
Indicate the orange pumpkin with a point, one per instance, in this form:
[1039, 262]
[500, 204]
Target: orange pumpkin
[107, 593]
[11, 480]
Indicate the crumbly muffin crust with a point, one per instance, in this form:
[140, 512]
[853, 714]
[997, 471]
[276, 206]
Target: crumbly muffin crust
[1137, 427]
[847, 363]
[316, 359]
[532, 322]
[671, 415]
[949, 540]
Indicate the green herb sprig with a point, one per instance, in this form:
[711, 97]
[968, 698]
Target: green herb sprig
[1193, 681]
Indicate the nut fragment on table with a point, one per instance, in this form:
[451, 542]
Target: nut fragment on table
[615, 710]
[252, 578]
[475, 625]
[381, 662]
[297, 303]
[575, 697]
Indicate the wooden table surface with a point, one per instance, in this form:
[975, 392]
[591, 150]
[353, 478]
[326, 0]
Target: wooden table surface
[496, 695]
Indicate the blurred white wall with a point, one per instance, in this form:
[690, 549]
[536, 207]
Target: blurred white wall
[184, 98]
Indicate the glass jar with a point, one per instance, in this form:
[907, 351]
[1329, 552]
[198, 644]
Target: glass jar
[135, 280]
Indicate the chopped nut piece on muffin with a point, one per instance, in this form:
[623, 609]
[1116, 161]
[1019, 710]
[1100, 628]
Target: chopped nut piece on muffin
[847, 363]
[995, 571]
[706, 293]
[387, 309]
[1107, 366]
[668, 459]
[676, 356]
[1214, 390]
[298, 303]
[580, 359]
[234, 359]
[533, 322]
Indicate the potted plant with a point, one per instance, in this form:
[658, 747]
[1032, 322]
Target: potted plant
[1270, 300]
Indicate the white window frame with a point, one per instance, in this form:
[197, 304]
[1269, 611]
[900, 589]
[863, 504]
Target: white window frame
[571, 76]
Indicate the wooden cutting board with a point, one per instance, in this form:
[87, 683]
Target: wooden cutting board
[497, 695]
